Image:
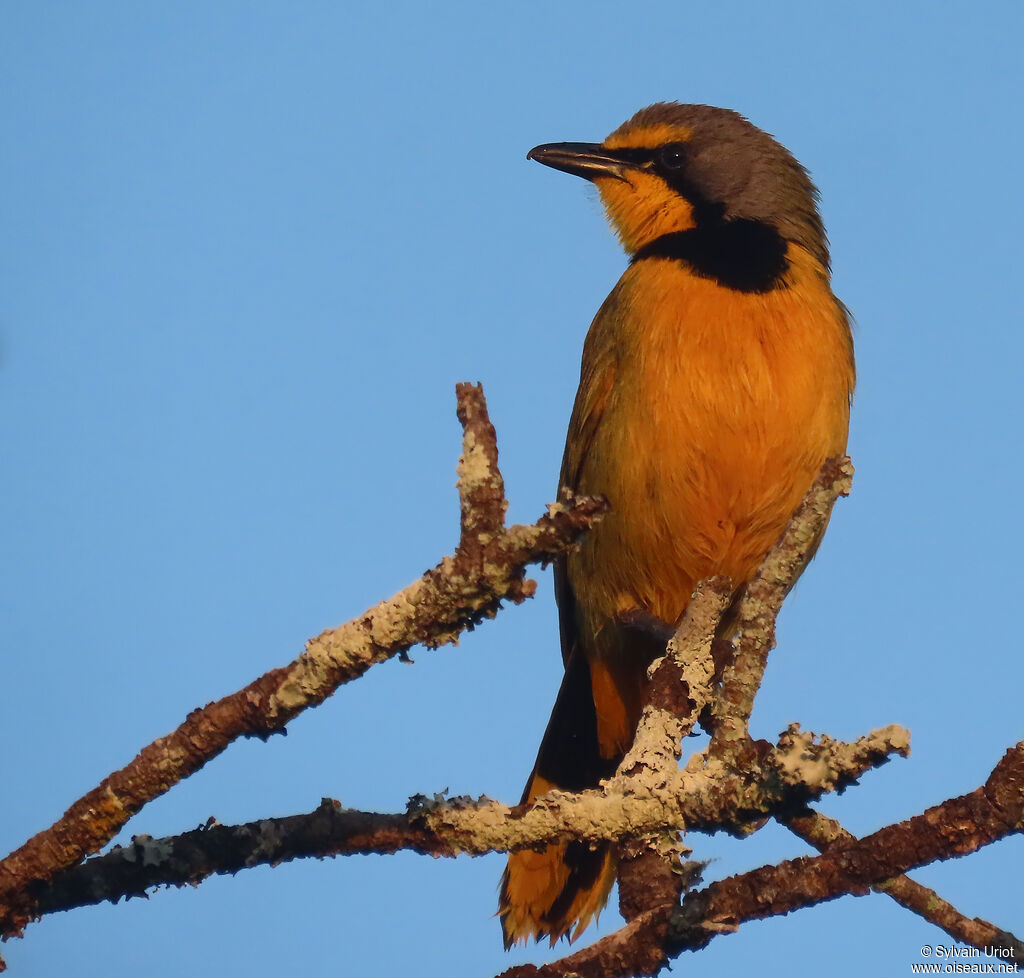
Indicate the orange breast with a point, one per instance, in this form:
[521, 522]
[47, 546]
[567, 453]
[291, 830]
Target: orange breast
[722, 409]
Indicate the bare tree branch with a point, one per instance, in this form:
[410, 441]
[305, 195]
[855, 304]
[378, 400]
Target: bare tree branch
[825, 833]
[487, 568]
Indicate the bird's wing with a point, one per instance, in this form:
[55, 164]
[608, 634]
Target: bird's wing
[597, 381]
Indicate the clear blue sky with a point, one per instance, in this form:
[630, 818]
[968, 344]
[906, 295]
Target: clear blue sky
[247, 251]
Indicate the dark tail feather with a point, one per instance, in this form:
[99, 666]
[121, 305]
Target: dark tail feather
[563, 886]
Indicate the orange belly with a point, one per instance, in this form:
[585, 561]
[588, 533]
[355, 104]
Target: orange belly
[722, 409]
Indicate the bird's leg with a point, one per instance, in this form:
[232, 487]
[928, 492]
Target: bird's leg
[643, 624]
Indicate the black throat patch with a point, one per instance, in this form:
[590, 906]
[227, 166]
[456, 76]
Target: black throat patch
[741, 254]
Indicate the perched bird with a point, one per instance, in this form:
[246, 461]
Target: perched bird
[716, 379]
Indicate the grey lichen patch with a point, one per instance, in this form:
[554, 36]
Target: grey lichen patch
[670, 846]
[269, 843]
[348, 648]
[290, 696]
[500, 573]
[592, 815]
[147, 851]
[474, 466]
[895, 737]
[822, 764]
[800, 764]
[652, 760]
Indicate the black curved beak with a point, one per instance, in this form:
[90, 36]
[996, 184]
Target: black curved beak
[587, 160]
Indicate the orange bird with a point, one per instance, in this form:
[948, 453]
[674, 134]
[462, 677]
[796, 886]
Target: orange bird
[716, 380]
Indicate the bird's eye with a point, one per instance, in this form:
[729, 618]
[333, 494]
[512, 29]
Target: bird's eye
[672, 157]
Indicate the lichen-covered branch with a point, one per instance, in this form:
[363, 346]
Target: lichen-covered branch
[191, 857]
[681, 684]
[628, 808]
[734, 785]
[954, 828]
[653, 869]
[486, 568]
[649, 797]
[762, 600]
[657, 930]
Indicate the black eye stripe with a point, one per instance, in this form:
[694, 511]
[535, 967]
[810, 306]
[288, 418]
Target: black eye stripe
[635, 155]
[670, 157]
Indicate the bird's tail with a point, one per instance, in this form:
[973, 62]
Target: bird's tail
[556, 891]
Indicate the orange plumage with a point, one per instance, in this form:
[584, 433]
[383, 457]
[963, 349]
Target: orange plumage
[716, 379]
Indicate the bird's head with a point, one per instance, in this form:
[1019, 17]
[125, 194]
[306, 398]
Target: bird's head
[672, 168]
